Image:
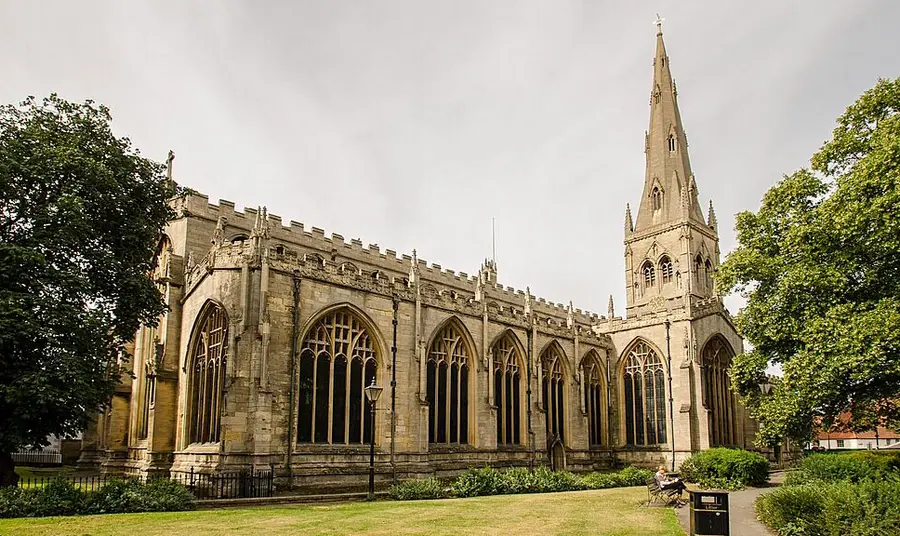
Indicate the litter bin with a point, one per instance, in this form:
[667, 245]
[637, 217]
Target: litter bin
[709, 513]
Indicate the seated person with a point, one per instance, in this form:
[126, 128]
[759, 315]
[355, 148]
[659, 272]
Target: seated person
[665, 483]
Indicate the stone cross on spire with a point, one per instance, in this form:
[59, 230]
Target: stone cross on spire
[169, 160]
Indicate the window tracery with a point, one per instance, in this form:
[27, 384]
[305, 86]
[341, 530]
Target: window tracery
[552, 385]
[337, 361]
[208, 360]
[448, 387]
[594, 398]
[644, 382]
[666, 270]
[508, 391]
[717, 395]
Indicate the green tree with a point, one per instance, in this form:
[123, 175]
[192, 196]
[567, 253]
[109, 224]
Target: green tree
[80, 216]
[819, 264]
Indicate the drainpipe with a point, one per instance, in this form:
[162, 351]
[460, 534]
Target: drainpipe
[671, 406]
[394, 392]
[295, 319]
[528, 403]
[609, 435]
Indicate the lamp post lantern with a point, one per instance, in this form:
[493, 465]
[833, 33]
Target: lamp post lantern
[372, 393]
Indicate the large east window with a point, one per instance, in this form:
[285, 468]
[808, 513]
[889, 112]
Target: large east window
[337, 361]
[448, 387]
[645, 396]
[208, 359]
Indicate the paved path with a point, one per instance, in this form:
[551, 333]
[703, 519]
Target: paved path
[743, 513]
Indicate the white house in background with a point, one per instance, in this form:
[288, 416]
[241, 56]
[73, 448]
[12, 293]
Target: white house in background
[870, 440]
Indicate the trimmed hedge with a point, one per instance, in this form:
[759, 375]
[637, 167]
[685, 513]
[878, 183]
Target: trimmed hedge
[61, 498]
[725, 469]
[832, 509]
[848, 467]
[490, 481]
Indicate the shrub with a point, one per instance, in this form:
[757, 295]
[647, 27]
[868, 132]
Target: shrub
[417, 489]
[832, 509]
[726, 467]
[58, 498]
[116, 496]
[478, 482]
[630, 476]
[850, 467]
[164, 495]
[61, 498]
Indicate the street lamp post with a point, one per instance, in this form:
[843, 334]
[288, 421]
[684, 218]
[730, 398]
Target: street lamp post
[765, 387]
[372, 393]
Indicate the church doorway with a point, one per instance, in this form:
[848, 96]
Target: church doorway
[557, 455]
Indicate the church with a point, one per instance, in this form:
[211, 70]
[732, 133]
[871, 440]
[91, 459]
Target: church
[275, 330]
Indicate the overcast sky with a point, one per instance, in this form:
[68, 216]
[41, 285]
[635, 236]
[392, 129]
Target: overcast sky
[412, 123]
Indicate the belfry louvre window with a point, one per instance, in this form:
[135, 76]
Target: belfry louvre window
[649, 274]
[665, 270]
[337, 361]
[508, 391]
[448, 387]
[208, 359]
[656, 198]
[717, 396]
[645, 396]
[552, 391]
[594, 398]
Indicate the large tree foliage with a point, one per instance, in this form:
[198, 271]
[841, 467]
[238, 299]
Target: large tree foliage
[80, 216]
[820, 266]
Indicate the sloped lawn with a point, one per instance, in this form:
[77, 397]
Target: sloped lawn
[603, 512]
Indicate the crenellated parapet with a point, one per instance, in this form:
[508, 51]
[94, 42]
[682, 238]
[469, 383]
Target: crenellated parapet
[234, 234]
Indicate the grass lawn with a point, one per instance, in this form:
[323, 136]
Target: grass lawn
[609, 512]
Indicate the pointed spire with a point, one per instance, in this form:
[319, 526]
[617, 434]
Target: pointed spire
[629, 225]
[668, 164]
[611, 308]
[712, 221]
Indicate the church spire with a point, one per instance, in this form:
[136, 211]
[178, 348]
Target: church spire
[668, 168]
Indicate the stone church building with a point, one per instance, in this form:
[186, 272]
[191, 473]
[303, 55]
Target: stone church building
[274, 330]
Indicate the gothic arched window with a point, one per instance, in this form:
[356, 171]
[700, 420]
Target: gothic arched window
[716, 388]
[672, 143]
[337, 361]
[448, 387]
[508, 382]
[709, 273]
[594, 398]
[698, 268]
[656, 198]
[649, 274]
[665, 270]
[208, 359]
[552, 385]
[645, 396]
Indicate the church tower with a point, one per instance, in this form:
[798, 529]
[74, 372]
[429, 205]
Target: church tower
[671, 250]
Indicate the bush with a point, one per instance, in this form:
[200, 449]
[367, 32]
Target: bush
[61, 498]
[417, 489]
[832, 509]
[729, 468]
[478, 482]
[850, 467]
[630, 476]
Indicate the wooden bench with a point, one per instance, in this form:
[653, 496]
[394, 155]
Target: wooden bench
[656, 493]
